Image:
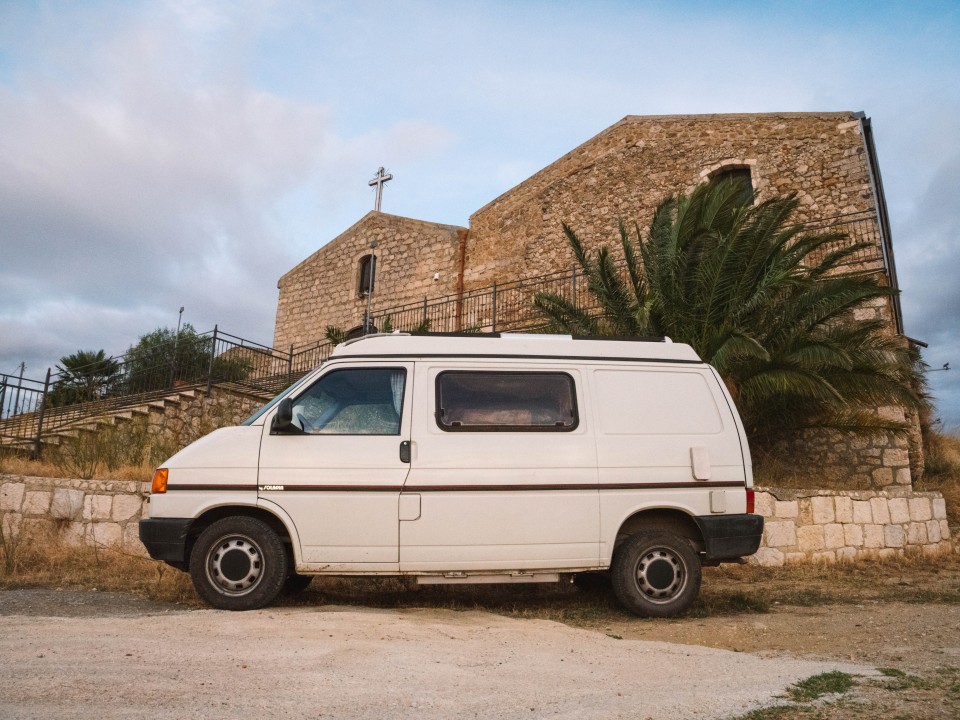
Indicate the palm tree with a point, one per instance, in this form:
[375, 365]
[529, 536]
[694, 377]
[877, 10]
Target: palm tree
[759, 297]
[84, 375]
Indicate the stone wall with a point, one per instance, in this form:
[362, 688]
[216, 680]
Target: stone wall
[83, 512]
[192, 417]
[801, 525]
[148, 433]
[623, 172]
[833, 525]
[626, 170]
[880, 461]
[323, 289]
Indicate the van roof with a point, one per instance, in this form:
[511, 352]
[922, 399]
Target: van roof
[515, 345]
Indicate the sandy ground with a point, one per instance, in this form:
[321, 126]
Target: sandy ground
[911, 637]
[85, 655]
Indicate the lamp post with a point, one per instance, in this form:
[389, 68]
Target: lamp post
[176, 341]
[373, 269]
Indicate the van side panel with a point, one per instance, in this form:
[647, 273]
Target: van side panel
[500, 500]
[665, 439]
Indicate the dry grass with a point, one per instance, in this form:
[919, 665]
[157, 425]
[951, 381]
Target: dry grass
[770, 470]
[42, 560]
[19, 465]
[943, 471]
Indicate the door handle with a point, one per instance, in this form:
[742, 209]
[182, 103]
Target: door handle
[405, 451]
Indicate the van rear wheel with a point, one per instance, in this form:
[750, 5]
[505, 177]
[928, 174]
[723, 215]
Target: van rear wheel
[656, 573]
[238, 563]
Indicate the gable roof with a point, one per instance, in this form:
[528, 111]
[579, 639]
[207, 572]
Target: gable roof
[373, 219]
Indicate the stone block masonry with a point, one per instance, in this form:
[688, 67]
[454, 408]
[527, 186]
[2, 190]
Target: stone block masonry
[800, 525]
[835, 525]
[101, 513]
[414, 259]
[626, 170]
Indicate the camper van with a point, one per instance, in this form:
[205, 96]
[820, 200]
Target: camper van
[502, 458]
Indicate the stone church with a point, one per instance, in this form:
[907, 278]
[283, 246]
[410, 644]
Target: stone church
[827, 158]
[484, 275]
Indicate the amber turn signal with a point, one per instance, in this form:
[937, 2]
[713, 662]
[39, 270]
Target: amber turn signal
[159, 484]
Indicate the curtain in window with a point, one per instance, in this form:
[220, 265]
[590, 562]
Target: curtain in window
[396, 386]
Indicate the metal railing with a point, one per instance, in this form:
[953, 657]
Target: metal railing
[188, 364]
[196, 362]
[501, 306]
[509, 306]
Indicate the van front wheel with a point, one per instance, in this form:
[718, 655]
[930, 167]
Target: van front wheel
[656, 574]
[238, 563]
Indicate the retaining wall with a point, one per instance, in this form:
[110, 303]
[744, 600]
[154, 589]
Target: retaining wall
[800, 525]
[831, 525]
[91, 512]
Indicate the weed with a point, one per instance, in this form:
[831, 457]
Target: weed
[729, 602]
[11, 538]
[831, 683]
[942, 471]
[902, 681]
[770, 713]
[807, 597]
[44, 559]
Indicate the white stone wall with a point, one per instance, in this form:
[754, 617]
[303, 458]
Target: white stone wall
[85, 512]
[831, 525]
[800, 525]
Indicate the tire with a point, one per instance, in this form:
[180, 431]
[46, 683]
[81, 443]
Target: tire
[656, 573]
[295, 584]
[238, 563]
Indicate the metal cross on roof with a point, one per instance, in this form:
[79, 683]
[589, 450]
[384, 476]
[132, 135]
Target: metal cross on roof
[379, 180]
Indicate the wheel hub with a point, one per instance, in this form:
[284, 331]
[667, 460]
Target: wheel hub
[660, 575]
[235, 565]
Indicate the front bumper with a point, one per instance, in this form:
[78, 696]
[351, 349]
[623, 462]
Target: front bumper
[730, 537]
[166, 538]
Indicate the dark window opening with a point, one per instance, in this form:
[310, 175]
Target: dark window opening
[368, 275]
[740, 178]
[506, 401]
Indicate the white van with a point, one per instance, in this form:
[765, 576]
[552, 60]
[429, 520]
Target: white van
[469, 459]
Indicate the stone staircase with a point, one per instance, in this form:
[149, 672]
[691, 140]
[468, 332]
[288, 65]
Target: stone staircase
[18, 433]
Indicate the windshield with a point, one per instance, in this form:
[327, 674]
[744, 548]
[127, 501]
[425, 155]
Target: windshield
[266, 408]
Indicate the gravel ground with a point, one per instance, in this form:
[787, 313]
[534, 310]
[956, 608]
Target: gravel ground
[110, 655]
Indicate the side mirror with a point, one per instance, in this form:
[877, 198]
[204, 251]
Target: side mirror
[283, 420]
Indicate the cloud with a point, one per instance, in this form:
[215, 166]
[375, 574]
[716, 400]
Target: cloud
[147, 173]
[189, 152]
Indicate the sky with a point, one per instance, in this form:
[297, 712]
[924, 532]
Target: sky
[179, 153]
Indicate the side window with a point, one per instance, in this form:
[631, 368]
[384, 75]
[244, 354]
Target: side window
[367, 275]
[361, 401]
[506, 401]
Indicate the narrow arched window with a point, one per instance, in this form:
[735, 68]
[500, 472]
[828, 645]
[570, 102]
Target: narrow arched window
[740, 178]
[367, 275]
